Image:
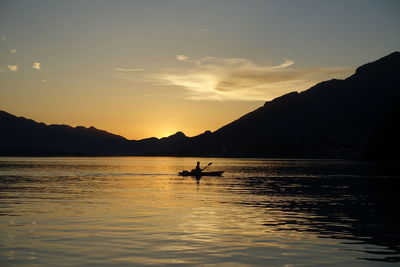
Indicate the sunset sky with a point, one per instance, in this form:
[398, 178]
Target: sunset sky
[152, 68]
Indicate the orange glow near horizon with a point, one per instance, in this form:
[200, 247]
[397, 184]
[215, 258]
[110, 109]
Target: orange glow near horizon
[143, 70]
[165, 133]
[134, 119]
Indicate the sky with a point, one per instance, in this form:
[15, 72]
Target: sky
[152, 68]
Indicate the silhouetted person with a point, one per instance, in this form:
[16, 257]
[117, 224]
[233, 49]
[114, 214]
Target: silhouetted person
[197, 171]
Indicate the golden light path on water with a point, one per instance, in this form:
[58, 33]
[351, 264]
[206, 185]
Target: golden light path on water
[102, 211]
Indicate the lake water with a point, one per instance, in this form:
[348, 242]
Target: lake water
[137, 211]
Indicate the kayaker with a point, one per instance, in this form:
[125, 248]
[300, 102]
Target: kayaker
[197, 170]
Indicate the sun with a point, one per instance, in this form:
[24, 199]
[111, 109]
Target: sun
[165, 133]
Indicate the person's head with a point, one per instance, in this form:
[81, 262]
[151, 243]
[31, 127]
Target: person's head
[198, 163]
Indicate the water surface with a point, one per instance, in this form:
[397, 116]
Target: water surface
[133, 210]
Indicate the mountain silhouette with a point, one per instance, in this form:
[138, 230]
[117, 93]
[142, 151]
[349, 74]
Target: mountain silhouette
[21, 136]
[334, 118]
[385, 140]
[349, 118]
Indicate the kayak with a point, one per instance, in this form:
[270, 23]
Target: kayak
[188, 173]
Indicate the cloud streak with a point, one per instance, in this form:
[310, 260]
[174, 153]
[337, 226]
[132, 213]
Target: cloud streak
[12, 68]
[128, 70]
[214, 78]
[36, 66]
[181, 57]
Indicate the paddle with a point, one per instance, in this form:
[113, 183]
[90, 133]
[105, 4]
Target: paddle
[206, 166]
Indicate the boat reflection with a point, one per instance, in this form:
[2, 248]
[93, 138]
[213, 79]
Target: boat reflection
[196, 179]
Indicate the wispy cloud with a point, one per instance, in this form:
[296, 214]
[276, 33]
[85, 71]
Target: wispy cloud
[12, 68]
[129, 70]
[12, 51]
[36, 66]
[3, 37]
[214, 78]
[181, 57]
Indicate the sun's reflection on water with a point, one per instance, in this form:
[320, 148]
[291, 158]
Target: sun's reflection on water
[137, 210]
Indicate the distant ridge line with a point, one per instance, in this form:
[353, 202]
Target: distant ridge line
[333, 119]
